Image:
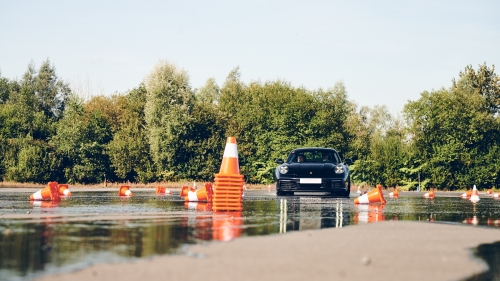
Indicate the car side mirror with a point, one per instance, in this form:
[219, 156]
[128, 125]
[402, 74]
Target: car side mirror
[278, 160]
[348, 161]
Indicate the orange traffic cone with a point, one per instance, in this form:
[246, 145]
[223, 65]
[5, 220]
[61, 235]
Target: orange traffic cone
[269, 188]
[489, 191]
[230, 163]
[395, 193]
[185, 189]
[162, 190]
[467, 194]
[63, 190]
[124, 191]
[475, 195]
[203, 194]
[373, 196]
[429, 194]
[50, 193]
[495, 195]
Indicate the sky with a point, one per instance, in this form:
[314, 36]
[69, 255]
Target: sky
[385, 52]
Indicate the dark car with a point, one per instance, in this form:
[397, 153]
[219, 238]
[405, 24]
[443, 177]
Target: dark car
[313, 169]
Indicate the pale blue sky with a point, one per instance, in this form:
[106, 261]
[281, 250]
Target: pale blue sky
[386, 52]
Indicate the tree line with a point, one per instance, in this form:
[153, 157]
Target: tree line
[165, 130]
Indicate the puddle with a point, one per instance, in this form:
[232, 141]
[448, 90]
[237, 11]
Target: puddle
[99, 226]
[490, 253]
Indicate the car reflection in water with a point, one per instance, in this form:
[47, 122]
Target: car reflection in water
[312, 213]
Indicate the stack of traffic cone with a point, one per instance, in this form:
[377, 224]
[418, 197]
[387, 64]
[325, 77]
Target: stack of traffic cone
[203, 194]
[475, 195]
[429, 194]
[374, 196]
[63, 190]
[124, 191]
[395, 193]
[162, 190]
[50, 193]
[228, 183]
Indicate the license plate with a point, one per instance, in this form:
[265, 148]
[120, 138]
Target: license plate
[310, 181]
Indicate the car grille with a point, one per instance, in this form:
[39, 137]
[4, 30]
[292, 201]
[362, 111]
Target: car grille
[292, 184]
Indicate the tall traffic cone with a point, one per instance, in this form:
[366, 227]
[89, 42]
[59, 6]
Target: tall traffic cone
[203, 194]
[429, 194]
[359, 191]
[162, 190]
[228, 183]
[63, 190]
[474, 198]
[124, 191]
[374, 196]
[49, 193]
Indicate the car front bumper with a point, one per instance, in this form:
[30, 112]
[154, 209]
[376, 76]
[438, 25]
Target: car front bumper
[326, 185]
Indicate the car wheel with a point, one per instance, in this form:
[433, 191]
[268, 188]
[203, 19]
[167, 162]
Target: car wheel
[347, 193]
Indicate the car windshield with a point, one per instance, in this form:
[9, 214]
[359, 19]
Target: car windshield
[313, 156]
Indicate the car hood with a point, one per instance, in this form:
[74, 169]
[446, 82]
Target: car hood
[315, 170]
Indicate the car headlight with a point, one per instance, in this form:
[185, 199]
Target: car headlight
[283, 169]
[339, 169]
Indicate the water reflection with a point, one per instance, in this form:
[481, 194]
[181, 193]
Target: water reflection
[39, 244]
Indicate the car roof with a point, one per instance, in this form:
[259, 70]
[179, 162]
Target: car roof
[298, 150]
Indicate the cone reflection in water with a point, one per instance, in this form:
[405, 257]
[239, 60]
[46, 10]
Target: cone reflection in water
[200, 225]
[473, 220]
[226, 226]
[368, 213]
[162, 190]
[49, 193]
[203, 194]
[228, 183]
[374, 196]
[44, 204]
[474, 198]
[124, 190]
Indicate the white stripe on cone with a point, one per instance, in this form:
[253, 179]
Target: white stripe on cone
[128, 192]
[66, 192]
[231, 150]
[38, 195]
[363, 199]
[192, 196]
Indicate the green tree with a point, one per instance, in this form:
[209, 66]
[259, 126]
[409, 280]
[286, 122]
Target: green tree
[169, 102]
